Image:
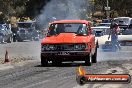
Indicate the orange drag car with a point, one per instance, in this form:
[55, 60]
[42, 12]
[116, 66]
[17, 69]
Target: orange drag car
[69, 40]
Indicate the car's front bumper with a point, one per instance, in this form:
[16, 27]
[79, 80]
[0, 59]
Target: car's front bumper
[72, 55]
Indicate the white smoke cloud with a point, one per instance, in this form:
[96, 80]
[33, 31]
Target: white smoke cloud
[62, 9]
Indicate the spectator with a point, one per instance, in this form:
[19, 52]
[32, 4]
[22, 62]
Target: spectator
[114, 31]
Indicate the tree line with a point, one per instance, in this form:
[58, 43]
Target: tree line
[32, 8]
[118, 7]
[20, 8]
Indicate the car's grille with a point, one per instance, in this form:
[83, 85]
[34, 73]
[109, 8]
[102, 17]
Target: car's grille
[64, 47]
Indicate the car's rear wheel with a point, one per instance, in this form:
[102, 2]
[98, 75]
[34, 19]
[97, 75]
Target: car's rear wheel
[44, 61]
[94, 57]
[88, 60]
[19, 40]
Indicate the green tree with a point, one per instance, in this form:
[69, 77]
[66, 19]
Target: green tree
[123, 7]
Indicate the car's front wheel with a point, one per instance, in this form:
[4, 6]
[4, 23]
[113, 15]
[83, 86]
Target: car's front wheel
[88, 60]
[44, 61]
[94, 57]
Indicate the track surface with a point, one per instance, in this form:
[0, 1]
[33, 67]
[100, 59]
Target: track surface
[32, 75]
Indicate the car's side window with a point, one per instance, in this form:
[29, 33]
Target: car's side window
[82, 29]
[52, 30]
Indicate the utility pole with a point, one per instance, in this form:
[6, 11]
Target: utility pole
[92, 3]
[107, 9]
[107, 12]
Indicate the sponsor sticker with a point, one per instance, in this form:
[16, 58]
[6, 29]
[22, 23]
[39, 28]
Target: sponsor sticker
[83, 78]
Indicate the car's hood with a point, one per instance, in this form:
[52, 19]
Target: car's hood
[65, 38]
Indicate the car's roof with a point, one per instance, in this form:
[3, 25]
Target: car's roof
[105, 23]
[123, 17]
[71, 21]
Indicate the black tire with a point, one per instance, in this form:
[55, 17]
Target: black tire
[87, 60]
[19, 39]
[44, 61]
[14, 38]
[94, 57]
[97, 44]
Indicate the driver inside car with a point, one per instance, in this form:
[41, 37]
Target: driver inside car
[82, 29]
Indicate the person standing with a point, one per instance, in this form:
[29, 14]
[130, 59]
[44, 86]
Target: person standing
[14, 27]
[114, 31]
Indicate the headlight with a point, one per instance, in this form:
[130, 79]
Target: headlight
[47, 47]
[80, 47]
[50, 47]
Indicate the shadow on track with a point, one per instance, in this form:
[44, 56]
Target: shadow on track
[65, 64]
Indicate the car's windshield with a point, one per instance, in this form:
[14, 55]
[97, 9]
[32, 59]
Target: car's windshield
[67, 28]
[24, 25]
[122, 20]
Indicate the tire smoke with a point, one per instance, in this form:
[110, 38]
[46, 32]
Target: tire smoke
[62, 9]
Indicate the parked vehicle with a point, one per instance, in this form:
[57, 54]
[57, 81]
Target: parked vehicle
[101, 29]
[5, 33]
[123, 22]
[27, 31]
[24, 34]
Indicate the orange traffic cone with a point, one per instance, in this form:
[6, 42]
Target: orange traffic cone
[6, 57]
